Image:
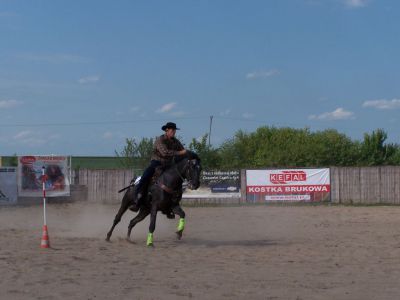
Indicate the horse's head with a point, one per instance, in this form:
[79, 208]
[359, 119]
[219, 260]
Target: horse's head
[193, 170]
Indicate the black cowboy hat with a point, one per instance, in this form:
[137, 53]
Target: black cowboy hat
[169, 125]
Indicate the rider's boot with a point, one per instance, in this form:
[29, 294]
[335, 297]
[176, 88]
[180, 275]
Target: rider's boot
[136, 202]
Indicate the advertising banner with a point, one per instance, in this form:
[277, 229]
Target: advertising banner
[8, 185]
[288, 184]
[221, 181]
[216, 184]
[30, 176]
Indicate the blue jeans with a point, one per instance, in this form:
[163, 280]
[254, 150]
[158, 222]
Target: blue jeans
[147, 174]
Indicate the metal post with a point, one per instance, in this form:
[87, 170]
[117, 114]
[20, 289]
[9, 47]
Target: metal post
[70, 170]
[209, 134]
[44, 195]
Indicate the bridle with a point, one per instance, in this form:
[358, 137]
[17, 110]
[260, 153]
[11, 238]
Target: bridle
[185, 171]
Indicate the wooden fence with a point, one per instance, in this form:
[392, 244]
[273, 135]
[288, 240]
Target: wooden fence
[366, 185]
[349, 185]
[103, 185]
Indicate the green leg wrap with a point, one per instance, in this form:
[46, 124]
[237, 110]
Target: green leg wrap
[181, 224]
[149, 239]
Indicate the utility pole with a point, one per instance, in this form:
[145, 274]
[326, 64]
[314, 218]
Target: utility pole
[209, 134]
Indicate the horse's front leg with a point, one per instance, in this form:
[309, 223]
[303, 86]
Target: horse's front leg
[152, 227]
[126, 200]
[181, 225]
[143, 213]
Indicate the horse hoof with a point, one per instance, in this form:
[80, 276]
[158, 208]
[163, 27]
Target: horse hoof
[134, 208]
[107, 239]
[179, 234]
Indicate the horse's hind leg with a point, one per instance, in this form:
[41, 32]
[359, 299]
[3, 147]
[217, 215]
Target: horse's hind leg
[152, 227]
[143, 213]
[181, 225]
[124, 207]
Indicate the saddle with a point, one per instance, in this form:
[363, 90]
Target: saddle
[135, 181]
[157, 174]
[176, 195]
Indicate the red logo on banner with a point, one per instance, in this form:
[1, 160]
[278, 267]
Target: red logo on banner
[26, 160]
[287, 176]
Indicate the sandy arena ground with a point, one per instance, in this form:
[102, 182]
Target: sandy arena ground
[260, 252]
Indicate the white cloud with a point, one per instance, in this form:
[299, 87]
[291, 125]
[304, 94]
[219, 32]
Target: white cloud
[89, 79]
[262, 74]
[337, 114]
[225, 113]
[247, 115]
[22, 134]
[134, 109]
[108, 135]
[29, 138]
[54, 136]
[178, 113]
[383, 104]
[9, 103]
[131, 110]
[355, 3]
[166, 107]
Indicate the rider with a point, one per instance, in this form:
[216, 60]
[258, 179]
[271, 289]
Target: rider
[165, 148]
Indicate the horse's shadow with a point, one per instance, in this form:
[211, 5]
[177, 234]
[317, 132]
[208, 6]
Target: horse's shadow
[222, 243]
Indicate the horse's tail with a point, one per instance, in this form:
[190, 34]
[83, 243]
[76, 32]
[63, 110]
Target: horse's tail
[125, 188]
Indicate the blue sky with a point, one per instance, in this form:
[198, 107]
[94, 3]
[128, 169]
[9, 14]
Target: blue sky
[79, 77]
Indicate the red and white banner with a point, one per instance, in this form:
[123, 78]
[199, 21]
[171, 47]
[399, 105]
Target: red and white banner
[289, 184]
[30, 170]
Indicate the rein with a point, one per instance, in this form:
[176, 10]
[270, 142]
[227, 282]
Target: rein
[166, 188]
[179, 173]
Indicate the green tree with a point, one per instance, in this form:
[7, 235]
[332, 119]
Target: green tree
[209, 156]
[289, 147]
[373, 150]
[136, 155]
[279, 147]
[331, 148]
[236, 152]
[144, 151]
[395, 158]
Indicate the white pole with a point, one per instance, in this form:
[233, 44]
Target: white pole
[209, 135]
[44, 196]
[70, 170]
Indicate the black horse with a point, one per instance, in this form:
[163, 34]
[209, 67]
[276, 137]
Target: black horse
[162, 195]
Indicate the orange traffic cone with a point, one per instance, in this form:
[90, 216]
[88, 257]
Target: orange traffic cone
[45, 238]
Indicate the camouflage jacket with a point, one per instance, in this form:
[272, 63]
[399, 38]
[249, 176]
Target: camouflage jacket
[164, 149]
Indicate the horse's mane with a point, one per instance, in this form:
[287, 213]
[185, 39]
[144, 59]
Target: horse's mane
[192, 155]
[179, 159]
[189, 155]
